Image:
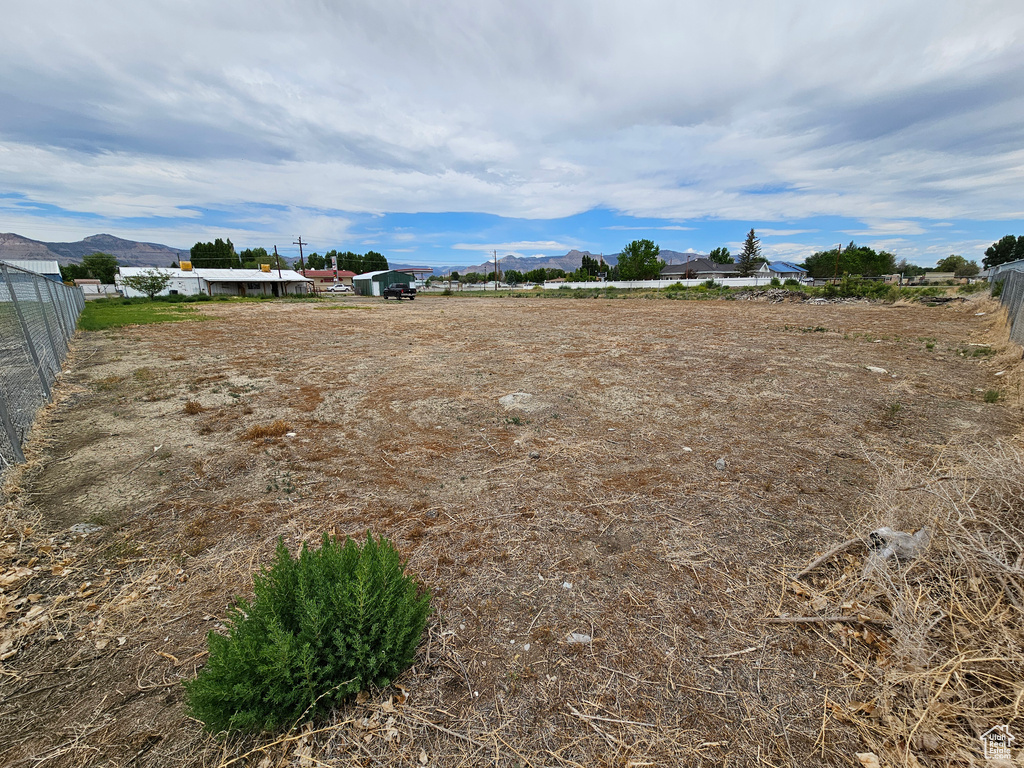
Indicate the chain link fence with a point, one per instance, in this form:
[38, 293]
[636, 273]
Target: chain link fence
[37, 319]
[1008, 281]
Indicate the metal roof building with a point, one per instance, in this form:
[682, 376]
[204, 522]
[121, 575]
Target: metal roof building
[222, 282]
[48, 268]
[373, 283]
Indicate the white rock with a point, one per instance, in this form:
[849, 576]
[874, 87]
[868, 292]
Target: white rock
[687, 450]
[289, 434]
[566, 585]
[579, 637]
[875, 369]
[515, 400]
[1001, 373]
[526, 647]
[721, 464]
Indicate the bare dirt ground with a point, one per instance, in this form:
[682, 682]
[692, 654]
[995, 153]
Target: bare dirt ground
[677, 464]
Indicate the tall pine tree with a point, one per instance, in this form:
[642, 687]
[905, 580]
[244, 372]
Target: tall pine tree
[750, 257]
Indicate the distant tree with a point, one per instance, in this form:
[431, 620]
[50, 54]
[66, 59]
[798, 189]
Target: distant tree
[151, 282]
[639, 261]
[853, 260]
[514, 277]
[453, 276]
[750, 257]
[219, 254]
[373, 261]
[721, 256]
[907, 269]
[71, 272]
[958, 265]
[315, 261]
[101, 266]
[473, 278]
[1007, 248]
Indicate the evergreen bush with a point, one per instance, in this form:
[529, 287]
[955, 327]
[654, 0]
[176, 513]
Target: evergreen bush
[321, 627]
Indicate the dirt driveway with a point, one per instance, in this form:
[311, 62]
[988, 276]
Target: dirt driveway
[668, 464]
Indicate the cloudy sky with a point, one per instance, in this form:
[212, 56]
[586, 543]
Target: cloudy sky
[436, 131]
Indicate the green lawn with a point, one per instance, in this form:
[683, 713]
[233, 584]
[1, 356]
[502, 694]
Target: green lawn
[101, 314]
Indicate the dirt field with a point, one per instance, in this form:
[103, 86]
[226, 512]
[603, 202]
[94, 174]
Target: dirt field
[676, 465]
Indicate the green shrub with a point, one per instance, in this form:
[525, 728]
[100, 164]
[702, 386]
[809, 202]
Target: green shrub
[775, 283]
[321, 627]
[997, 288]
[791, 281]
[992, 396]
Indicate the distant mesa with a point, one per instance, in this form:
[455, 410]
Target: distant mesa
[129, 253]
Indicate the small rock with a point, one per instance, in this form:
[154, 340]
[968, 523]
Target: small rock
[515, 400]
[579, 637]
[566, 585]
[1001, 373]
[526, 647]
[289, 434]
[875, 369]
[534, 454]
[85, 528]
[978, 314]
[720, 465]
[687, 450]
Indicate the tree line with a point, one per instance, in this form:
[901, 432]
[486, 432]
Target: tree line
[220, 254]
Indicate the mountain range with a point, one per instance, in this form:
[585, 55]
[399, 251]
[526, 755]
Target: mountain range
[569, 262]
[131, 253]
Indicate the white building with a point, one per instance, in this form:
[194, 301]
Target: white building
[187, 281]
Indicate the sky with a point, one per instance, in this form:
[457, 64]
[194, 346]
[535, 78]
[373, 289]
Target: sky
[436, 132]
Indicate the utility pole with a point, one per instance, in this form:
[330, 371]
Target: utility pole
[302, 264]
[277, 260]
[495, 271]
[835, 274]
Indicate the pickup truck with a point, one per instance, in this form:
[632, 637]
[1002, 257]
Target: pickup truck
[399, 291]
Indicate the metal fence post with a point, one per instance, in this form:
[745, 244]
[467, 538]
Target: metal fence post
[12, 433]
[49, 330]
[60, 309]
[28, 335]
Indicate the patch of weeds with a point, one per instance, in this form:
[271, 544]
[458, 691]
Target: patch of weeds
[930, 345]
[282, 482]
[108, 383]
[992, 396]
[144, 374]
[514, 420]
[192, 407]
[892, 412]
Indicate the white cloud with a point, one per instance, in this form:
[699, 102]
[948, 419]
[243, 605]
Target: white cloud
[124, 110]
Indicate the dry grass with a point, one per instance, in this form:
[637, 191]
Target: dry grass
[193, 407]
[277, 428]
[595, 509]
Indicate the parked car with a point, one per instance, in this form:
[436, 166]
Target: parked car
[399, 291]
[340, 288]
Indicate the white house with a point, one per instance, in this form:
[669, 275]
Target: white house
[186, 281]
